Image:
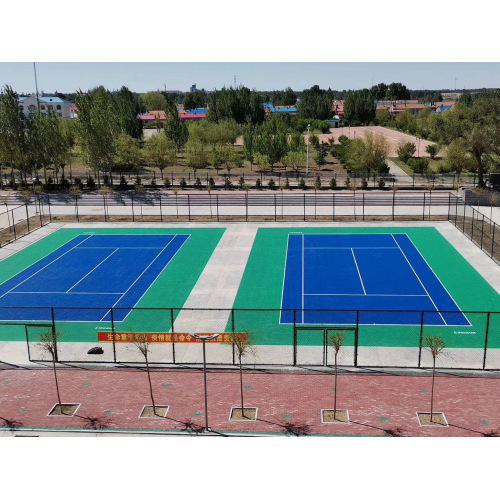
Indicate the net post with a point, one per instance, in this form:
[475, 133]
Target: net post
[393, 202]
[356, 339]
[173, 331]
[294, 337]
[113, 333]
[421, 339]
[486, 339]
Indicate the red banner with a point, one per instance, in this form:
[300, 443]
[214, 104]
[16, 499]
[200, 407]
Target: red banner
[165, 338]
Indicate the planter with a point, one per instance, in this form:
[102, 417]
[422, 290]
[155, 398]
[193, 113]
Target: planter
[236, 414]
[148, 411]
[64, 410]
[438, 419]
[335, 417]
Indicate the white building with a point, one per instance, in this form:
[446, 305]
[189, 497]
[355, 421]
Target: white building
[62, 107]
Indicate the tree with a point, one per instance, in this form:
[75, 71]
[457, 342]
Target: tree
[97, 127]
[195, 100]
[160, 152]
[12, 130]
[397, 92]
[432, 150]
[457, 157]
[127, 109]
[315, 103]
[176, 130]
[369, 155]
[127, 152]
[241, 105]
[142, 343]
[272, 141]
[406, 151]
[321, 153]
[154, 101]
[336, 340]
[294, 160]
[379, 91]
[48, 344]
[243, 346]
[435, 344]
[197, 155]
[249, 143]
[359, 107]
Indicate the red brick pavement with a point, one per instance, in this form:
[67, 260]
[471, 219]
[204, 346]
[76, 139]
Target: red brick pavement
[378, 404]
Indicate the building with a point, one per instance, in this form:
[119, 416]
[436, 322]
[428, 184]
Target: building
[270, 108]
[62, 107]
[192, 114]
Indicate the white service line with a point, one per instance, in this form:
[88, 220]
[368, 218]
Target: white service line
[359, 274]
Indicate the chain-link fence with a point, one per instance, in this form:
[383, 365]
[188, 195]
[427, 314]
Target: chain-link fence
[275, 337]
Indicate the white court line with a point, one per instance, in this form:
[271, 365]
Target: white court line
[363, 294]
[437, 277]
[150, 264]
[91, 271]
[349, 248]
[64, 293]
[44, 267]
[303, 265]
[284, 274]
[418, 277]
[359, 274]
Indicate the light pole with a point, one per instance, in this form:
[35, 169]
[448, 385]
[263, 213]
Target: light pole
[204, 338]
[307, 160]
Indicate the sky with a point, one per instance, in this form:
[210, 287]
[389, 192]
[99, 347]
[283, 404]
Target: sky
[145, 76]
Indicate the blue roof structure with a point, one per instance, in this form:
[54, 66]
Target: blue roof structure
[46, 99]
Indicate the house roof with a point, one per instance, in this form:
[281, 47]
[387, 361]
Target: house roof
[45, 99]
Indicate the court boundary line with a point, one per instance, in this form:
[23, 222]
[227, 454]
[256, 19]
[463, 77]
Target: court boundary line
[284, 272]
[44, 267]
[157, 276]
[437, 277]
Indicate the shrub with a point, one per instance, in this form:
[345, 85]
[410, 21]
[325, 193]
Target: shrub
[241, 182]
[258, 184]
[432, 149]
[347, 183]
[153, 182]
[317, 183]
[166, 182]
[211, 183]
[123, 182]
[183, 183]
[333, 183]
[90, 182]
[197, 183]
[271, 184]
[78, 182]
[302, 183]
[138, 181]
[64, 183]
[344, 140]
[381, 183]
[313, 140]
[228, 183]
[364, 183]
[105, 180]
[419, 165]
[287, 184]
[406, 151]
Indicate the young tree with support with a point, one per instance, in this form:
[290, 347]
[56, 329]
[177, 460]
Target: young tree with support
[435, 344]
[336, 340]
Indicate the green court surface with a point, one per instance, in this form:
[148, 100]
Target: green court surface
[263, 281]
[171, 288]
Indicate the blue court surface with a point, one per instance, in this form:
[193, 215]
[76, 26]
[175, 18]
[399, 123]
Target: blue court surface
[91, 270]
[383, 276]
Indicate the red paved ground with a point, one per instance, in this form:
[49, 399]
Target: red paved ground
[378, 404]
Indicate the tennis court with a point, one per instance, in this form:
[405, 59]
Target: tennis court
[90, 271]
[328, 277]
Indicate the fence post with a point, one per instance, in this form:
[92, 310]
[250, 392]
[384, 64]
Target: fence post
[246, 207]
[304, 207]
[482, 232]
[161, 213]
[423, 212]
[333, 206]
[363, 206]
[132, 199]
[421, 338]
[48, 203]
[294, 337]
[449, 205]
[486, 340]
[113, 333]
[217, 201]
[472, 231]
[173, 331]
[189, 209]
[356, 339]
[56, 357]
[463, 222]
[493, 240]
[456, 210]
[232, 329]
[104, 206]
[274, 208]
[27, 342]
[14, 225]
[27, 217]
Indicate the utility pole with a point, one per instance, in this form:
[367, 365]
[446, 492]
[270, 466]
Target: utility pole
[36, 87]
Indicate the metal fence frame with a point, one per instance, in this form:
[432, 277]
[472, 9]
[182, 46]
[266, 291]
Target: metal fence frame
[359, 340]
